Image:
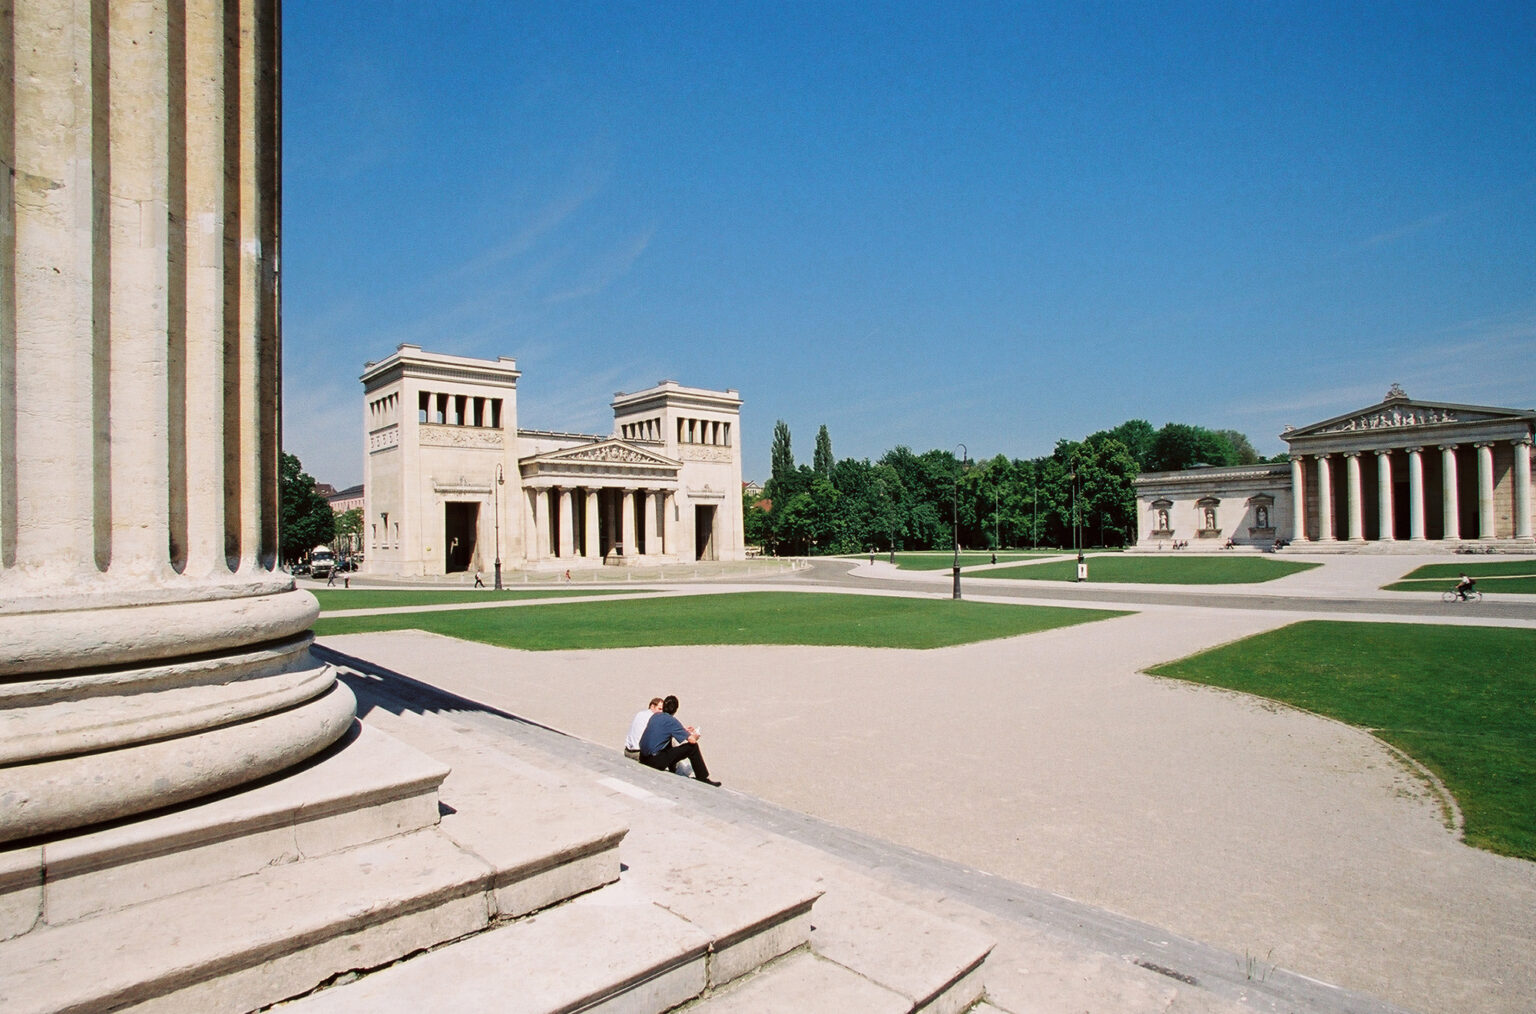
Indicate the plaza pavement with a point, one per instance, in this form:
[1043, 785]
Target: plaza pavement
[1049, 760]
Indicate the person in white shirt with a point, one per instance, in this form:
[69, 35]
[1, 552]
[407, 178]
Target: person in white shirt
[637, 729]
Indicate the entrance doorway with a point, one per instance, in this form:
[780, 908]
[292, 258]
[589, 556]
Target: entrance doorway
[460, 521]
[704, 533]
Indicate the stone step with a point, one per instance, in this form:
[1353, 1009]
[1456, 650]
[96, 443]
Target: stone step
[938, 967]
[246, 942]
[684, 918]
[802, 983]
[620, 949]
[264, 895]
[368, 787]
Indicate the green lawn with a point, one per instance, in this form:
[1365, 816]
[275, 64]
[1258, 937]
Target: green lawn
[745, 618]
[1459, 700]
[388, 598]
[945, 561]
[1508, 576]
[1166, 569]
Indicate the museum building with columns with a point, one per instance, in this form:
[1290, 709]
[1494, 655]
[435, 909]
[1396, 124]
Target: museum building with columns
[453, 485]
[1403, 472]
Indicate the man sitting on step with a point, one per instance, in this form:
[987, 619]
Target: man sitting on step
[637, 728]
[658, 751]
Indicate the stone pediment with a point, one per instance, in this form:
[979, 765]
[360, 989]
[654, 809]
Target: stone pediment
[605, 452]
[1398, 412]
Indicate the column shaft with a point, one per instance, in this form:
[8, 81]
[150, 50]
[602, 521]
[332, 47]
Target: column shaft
[1523, 489]
[652, 537]
[1384, 495]
[669, 523]
[1416, 494]
[1324, 500]
[1298, 499]
[628, 537]
[1356, 503]
[593, 545]
[539, 546]
[1485, 515]
[566, 512]
[1451, 508]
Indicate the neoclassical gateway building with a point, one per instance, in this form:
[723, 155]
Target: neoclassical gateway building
[1403, 473]
[452, 485]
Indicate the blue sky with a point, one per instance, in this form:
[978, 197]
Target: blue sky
[917, 223]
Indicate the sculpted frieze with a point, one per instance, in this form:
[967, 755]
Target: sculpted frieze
[1394, 417]
[458, 436]
[610, 454]
[694, 452]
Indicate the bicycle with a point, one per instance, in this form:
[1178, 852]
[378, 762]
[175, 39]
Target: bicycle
[1455, 596]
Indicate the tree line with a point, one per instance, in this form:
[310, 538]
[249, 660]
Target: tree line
[908, 501]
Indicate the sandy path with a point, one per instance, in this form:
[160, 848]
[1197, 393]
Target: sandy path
[1048, 760]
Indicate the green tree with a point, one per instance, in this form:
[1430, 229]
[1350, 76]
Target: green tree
[305, 519]
[1178, 446]
[349, 528]
[1243, 451]
[822, 462]
[757, 525]
[782, 455]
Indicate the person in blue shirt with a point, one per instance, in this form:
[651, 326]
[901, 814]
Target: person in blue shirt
[657, 749]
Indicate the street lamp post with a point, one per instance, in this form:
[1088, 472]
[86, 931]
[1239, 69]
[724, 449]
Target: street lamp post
[496, 511]
[964, 454]
[1077, 532]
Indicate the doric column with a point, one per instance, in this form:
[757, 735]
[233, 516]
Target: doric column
[1523, 488]
[1298, 499]
[593, 542]
[566, 507]
[1384, 495]
[1485, 516]
[628, 513]
[1451, 508]
[538, 547]
[1415, 494]
[1324, 500]
[1356, 503]
[151, 651]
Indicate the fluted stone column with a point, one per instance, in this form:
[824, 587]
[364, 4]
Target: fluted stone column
[593, 540]
[1384, 495]
[1450, 505]
[566, 512]
[648, 510]
[628, 514]
[1415, 494]
[1523, 488]
[1485, 515]
[540, 547]
[1355, 503]
[151, 652]
[1324, 500]
[1299, 499]
[669, 523]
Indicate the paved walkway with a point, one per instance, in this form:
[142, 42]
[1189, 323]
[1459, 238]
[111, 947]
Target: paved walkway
[1048, 760]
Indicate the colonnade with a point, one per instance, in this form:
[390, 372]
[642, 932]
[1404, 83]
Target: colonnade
[1389, 526]
[570, 522]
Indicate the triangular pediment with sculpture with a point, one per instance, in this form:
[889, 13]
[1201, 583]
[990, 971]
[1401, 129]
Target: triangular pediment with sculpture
[1398, 411]
[613, 453]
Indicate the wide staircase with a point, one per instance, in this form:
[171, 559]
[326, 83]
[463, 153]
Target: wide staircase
[375, 880]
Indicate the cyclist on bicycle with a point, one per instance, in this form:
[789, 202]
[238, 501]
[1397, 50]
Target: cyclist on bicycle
[1464, 587]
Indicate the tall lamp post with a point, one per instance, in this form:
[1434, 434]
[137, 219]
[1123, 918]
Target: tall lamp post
[964, 454]
[1077, 532]
[496, 511]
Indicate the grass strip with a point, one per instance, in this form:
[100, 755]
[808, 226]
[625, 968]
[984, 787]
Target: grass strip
[864, 621]
[1170, 569]
[389, 598]
[944, 561]
[1459, 700]
[1487, 585]
[1506, 568]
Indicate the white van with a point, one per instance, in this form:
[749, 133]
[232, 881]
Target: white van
[321, 562]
